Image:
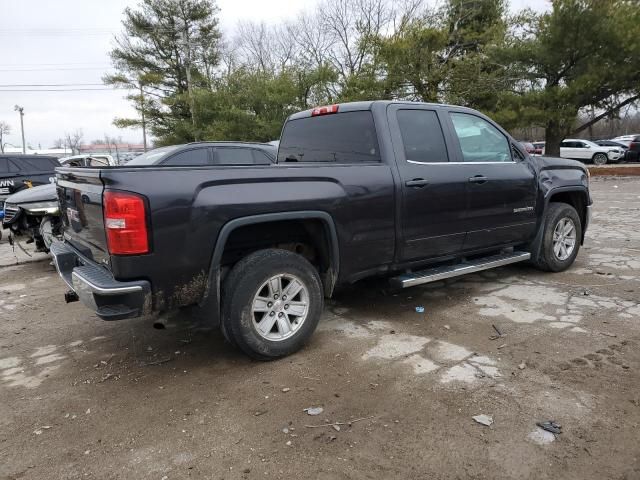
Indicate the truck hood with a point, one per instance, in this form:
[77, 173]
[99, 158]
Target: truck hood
[41, 193]
[556, 162]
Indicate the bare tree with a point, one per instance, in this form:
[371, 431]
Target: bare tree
[74, 140]
[5, 129]
[59, 143]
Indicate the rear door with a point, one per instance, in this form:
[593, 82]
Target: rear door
[432, 211]
[582, 150]
[501, 188]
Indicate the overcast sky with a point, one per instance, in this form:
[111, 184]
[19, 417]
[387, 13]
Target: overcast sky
[67, 42]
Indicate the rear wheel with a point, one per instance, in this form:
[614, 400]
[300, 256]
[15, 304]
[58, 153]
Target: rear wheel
[272, 303]
[600, 159]
[561, 238]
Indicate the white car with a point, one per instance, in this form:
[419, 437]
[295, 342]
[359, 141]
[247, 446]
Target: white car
[88, 160]
[626, 139]
[585, 150]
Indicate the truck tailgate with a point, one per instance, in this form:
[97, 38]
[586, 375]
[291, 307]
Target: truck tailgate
[80, 196]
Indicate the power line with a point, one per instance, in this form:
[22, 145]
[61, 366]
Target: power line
[2, 65]
[52, 69]
[63, 89]
[52, 85]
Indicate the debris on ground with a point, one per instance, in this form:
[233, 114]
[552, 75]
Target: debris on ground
[607, 334]
[337, 424]
[483, 419]
[502, 346]
[447, 327]
[498, 332]
[550, 426]
[285, 390]
[541, 437]
[314, 410]
[420, 309]
[522, 366]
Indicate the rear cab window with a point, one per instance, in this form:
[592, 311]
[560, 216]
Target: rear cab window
[344, 137]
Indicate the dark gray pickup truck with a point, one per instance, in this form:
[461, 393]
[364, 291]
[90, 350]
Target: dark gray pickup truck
[417, 192]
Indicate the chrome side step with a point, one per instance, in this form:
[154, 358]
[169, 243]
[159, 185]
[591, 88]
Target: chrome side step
[448, 271]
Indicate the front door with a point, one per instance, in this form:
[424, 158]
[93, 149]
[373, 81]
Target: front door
[433, 190]
[501, 188]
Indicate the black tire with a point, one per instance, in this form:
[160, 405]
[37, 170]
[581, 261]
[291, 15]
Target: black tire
[600, 159]
[245, 281]
[547, 259]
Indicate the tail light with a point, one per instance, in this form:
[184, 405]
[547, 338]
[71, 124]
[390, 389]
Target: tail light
[326, 110]
[125, 223]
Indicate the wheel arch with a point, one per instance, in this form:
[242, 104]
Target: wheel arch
[575, 195]
[213, 291]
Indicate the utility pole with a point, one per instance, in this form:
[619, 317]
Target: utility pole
[192, 108]
[20, 109]
[144, 124]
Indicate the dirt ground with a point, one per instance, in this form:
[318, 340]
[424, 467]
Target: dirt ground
[84, 398]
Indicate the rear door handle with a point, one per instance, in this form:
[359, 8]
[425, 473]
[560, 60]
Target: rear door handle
[478, 179]
[416, 183]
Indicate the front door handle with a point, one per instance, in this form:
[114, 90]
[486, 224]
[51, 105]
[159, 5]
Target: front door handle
[416, 183]
[478, 179]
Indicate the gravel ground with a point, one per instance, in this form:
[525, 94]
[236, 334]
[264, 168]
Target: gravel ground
[83, 398]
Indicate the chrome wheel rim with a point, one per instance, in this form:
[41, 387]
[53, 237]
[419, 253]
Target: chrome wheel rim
[600, 159]
[564, 239]
[280, 307]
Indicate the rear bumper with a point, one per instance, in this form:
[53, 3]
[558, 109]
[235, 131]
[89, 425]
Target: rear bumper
[97, 289]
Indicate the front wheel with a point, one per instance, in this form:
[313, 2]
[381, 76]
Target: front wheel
[561, 238]
[272, 302]
[600, 159]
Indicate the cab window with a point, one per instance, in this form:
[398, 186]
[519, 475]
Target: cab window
[422, 136]
[479, 140]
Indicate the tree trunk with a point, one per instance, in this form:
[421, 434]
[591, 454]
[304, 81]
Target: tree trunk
[553, 138]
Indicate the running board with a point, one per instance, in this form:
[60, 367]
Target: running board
[440, 273]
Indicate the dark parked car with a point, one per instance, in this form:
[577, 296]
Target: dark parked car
[529, 147]
[539, 148]
[209, 154]
[614, 143]
[633, 143]
[23, 171]
[634, 149]
[418, 192]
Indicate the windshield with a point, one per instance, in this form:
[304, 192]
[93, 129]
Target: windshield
[152, 157]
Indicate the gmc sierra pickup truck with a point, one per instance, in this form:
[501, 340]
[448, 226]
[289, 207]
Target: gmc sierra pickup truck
[417, 192]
